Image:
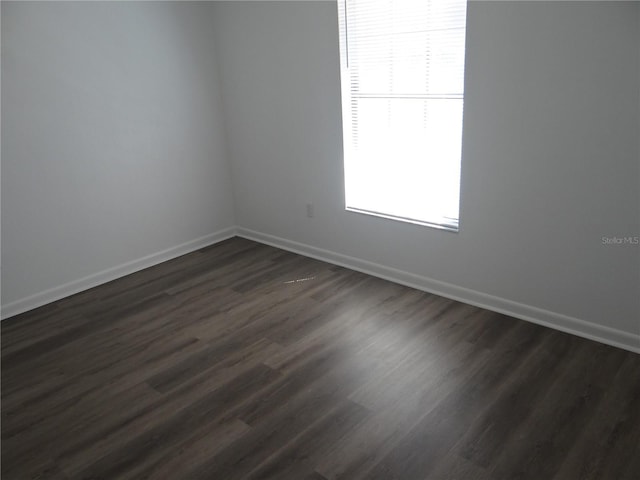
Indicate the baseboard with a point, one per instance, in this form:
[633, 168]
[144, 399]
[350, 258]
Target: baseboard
[564, 323]
[90, 281]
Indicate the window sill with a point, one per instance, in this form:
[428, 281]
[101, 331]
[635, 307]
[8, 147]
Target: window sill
[448, 227]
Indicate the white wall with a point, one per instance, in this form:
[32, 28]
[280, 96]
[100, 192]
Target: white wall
[114, 152]
[550, 164]
[112, 142]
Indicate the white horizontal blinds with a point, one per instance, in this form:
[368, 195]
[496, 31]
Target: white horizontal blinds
[403, 85]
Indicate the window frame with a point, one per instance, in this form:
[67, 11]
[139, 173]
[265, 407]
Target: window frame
[442, 223]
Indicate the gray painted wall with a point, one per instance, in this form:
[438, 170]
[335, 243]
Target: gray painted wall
[550, 163]
[112, 138]
[114, 147]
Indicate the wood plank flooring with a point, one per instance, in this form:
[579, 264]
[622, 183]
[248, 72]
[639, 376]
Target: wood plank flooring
[242, 361]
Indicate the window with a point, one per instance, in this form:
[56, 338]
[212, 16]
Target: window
[402, 68]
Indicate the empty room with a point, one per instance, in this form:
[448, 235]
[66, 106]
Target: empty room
[320, 240]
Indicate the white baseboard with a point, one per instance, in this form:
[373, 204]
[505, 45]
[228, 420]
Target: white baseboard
[557, 321]
[564, 323]
[90, 281]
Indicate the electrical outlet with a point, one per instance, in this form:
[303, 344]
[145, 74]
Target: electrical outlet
[310, 210]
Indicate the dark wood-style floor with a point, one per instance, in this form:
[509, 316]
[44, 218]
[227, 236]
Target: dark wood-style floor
[242, 361]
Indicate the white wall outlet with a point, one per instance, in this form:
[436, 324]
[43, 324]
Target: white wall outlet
[310, 210]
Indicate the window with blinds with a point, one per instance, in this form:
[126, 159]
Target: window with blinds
[402, 70]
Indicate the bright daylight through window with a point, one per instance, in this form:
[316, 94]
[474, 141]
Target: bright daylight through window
[402, 68]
